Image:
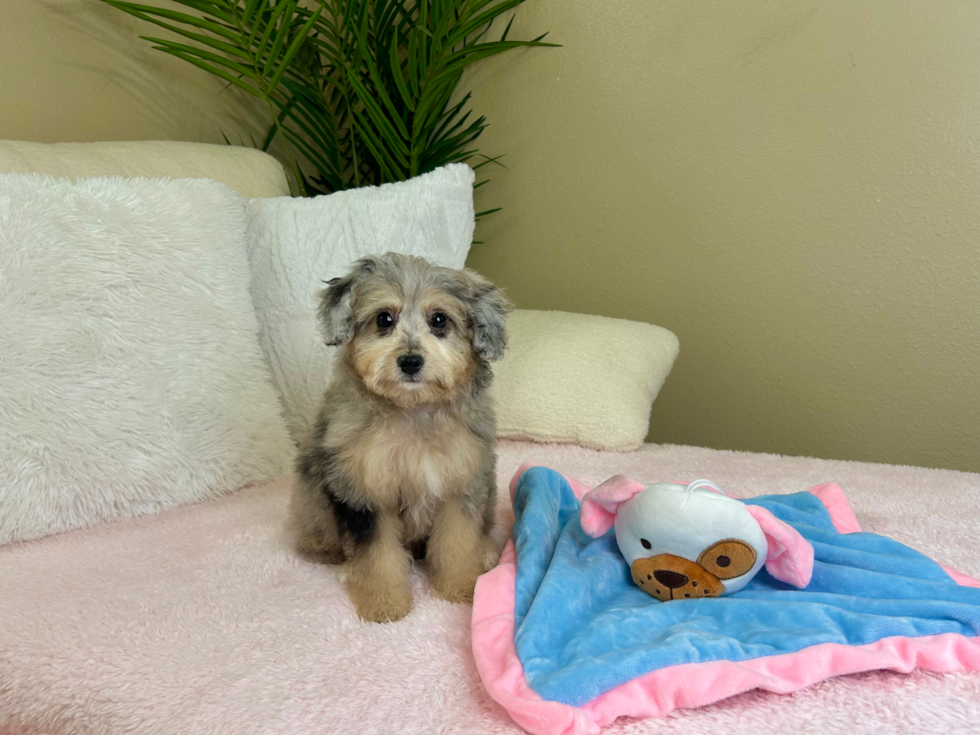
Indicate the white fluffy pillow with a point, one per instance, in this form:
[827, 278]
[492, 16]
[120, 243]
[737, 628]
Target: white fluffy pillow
[581, 379]
[131, 377]
[297, 244]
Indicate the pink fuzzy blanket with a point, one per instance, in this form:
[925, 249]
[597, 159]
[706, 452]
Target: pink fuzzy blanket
[201, 620]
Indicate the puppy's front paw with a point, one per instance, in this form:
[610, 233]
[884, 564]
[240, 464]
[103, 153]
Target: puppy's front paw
[380, 605]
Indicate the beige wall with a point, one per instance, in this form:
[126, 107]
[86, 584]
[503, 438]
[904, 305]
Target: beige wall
[76, 70]
[793, 188]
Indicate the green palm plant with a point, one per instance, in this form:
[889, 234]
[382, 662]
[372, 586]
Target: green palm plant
[360, 92]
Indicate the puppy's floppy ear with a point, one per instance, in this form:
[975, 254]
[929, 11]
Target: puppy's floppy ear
[336, 312]
[488, 307]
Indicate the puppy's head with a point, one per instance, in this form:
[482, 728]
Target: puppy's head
[416, 333]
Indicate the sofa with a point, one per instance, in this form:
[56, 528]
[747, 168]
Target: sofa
[201, 618]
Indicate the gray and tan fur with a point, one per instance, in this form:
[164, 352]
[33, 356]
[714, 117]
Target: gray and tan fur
[401, 459]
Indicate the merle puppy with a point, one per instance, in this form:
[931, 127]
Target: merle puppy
[401, 459]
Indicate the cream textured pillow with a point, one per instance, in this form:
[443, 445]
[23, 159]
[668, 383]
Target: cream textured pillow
[297, 244]
[248, 171]
[131, 378]
[580, 379]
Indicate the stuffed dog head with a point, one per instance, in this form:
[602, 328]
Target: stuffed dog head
[691, 541]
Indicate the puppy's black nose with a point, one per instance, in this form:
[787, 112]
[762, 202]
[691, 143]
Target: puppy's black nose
[410, 363]
[670, 579]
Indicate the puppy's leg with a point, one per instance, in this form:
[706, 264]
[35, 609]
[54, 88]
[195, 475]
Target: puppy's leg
[312, 525]
[490, 548]
[377, 569]
[455, 552]
[490, 552]
[322, 546]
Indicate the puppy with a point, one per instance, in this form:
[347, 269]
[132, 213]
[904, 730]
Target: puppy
[402, 453]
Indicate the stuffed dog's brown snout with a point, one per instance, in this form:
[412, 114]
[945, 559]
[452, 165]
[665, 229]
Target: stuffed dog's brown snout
[669, 577]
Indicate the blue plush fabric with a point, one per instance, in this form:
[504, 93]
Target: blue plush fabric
[582, 627]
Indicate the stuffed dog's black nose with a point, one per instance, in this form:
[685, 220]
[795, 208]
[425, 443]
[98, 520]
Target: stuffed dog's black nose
[670, 579]
[410, 363]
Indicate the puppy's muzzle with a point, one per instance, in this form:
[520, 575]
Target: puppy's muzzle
[410, 363]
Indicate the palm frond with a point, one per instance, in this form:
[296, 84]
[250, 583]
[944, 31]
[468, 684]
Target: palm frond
[359, 92]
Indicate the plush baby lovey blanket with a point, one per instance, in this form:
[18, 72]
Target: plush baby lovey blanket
[567, 643]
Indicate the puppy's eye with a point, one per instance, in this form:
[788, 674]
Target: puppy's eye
[438, 320]
[646, 544]
[385, 320]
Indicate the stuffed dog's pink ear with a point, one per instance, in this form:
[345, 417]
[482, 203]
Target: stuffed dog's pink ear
[599, 506]
[790, 557]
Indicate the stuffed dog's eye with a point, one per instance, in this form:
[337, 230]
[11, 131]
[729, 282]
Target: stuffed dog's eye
[438, 320]
[385, 320]
[727, 559]
[646, 544]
